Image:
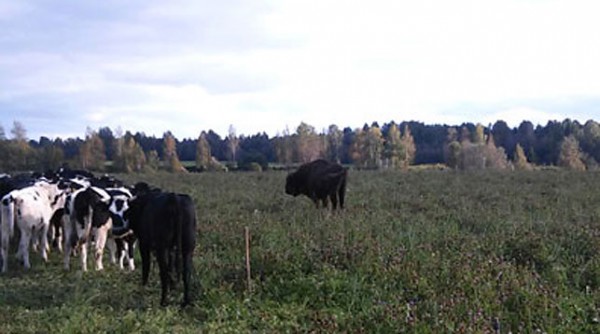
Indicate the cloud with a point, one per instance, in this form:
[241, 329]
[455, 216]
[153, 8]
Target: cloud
[188, 66]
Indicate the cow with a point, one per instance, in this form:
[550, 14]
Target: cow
[319, 180]
[164, 223]
[121, 239]
[31, 208]
[86, 217]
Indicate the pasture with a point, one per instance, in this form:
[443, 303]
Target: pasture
[422, 251]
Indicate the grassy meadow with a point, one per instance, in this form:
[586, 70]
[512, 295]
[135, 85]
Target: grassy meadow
[426, 251]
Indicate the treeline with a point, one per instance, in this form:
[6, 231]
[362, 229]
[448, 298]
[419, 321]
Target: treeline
[568, 144]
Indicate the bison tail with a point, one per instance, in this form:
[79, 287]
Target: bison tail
[342, 189]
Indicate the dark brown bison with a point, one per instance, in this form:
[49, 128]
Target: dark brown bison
[319, 180]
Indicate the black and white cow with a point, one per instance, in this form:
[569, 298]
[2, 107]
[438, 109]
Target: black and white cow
[91, 214]
[31, 208]
[121, 239]
[165, 223]
[81, 223]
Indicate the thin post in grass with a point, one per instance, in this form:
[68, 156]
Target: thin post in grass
[248, 269]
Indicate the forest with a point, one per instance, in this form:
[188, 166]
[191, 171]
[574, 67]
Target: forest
[566, 143]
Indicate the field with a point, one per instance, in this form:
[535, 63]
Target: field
[423, 251]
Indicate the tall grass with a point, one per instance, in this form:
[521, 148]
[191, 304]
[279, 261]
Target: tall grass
[427, 252]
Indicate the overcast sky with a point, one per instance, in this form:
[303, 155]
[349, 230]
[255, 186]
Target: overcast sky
[186, 66]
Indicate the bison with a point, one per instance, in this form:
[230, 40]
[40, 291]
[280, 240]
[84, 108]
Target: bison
[319, 180]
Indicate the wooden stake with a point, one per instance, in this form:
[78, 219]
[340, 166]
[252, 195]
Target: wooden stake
[248, 269]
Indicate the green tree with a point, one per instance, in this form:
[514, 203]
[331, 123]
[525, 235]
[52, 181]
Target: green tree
[453, 150]
[284, 147]
[334, 143]
[152, 161]
[308, 145]
[22, 156]
[570, 155]
[51, 156]
[590, 142]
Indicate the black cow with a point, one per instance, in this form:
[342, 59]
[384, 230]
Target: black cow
[319, 180]
[165, 223]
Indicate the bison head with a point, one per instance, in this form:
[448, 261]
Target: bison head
[292, 185]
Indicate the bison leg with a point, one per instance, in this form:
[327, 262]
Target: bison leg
[342, 194]
[334, 201]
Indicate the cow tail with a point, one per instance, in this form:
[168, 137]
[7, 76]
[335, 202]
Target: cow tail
[8, 215]
[176, 214]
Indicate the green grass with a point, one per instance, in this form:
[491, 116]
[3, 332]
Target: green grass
[429, 251]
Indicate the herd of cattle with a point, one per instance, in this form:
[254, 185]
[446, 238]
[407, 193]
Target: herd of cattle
[72, 210]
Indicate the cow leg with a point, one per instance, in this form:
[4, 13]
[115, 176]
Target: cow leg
[101, 235]
[24, 247]
[68, 241]
[67, 254]
[130, 248]
[43, 233]
[164, 270]
[174, 267]
[122, 251]
[187, 272]
[84, 250]
[145, 253]
[59, 236]
[113, 249]
[4, 249]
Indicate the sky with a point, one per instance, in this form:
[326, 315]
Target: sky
[188, 66]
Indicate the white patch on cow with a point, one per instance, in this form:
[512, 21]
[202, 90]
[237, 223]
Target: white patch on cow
[104, 196]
